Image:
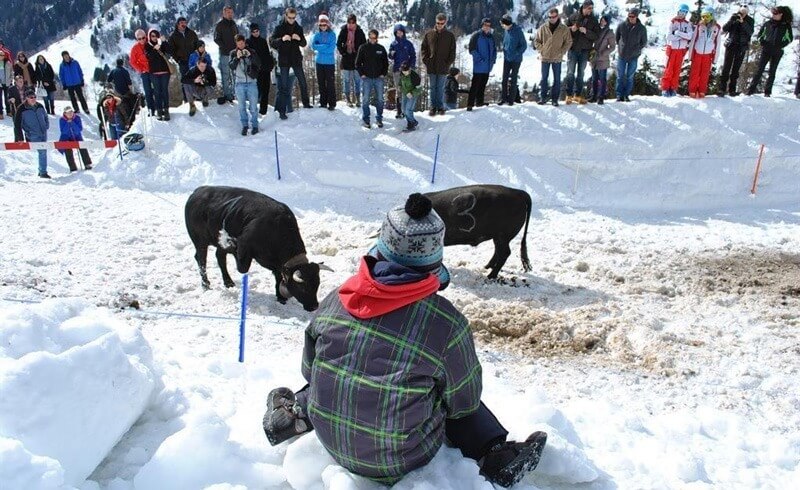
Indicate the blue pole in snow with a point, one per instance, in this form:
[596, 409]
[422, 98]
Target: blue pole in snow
[243, 318]
[435, 159]
[277, 157]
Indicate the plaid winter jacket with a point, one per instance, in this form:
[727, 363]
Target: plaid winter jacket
[387, 364]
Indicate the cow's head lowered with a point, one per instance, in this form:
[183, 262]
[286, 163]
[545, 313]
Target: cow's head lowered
[301, 281]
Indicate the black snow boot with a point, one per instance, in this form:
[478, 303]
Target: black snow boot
[508, 462]
[284, 418]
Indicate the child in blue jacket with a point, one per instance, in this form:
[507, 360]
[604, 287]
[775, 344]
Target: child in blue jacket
[72, 130]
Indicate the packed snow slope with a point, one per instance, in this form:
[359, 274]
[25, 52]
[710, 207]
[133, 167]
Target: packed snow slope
[655, 339]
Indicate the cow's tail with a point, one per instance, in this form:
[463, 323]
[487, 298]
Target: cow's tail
[523, 250]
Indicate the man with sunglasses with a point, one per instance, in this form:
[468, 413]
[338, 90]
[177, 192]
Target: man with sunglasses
[631, 38]
[225, 33]
[552, 41]
[774, 35]
[288, 38]
[141, 64]
[438, 53]
[32, 123]
[585, 29]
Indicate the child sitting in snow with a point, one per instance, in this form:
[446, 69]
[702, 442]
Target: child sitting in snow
[392, 369]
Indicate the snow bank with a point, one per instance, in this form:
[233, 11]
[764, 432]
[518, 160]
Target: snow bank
[73, 380]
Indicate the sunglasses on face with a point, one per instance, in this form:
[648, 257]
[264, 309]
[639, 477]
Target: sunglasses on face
[31, 96]
[553, 16]
[141, 38]
[439, 23]
[291, 17]
[632, 16]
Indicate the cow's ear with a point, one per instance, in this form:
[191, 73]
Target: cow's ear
[243, 258]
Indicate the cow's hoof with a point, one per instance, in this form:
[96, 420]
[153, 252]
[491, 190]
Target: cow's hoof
[229, 284]
[281, 300]
[206, 286]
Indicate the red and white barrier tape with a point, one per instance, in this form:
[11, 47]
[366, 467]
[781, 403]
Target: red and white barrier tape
[58, 145]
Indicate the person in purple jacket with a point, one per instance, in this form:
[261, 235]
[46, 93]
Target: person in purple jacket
[400, 51]
[72, 130]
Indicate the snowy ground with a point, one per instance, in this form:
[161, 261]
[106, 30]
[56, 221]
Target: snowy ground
[655, 339]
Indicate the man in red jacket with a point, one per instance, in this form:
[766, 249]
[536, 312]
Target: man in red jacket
[142, 66]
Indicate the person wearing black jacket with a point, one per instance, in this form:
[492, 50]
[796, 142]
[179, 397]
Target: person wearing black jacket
[739, 29]
[197, 83]
[774, 35]
[260, 46]
[156, 50]
[47, 78]
[585, 30]
[224, 35]
[351, 37]
[120, 77]
[372, 63]
[183, 41]
[288, 38]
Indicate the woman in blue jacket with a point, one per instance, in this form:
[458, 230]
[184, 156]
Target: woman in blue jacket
[324, 45]
[484, 54]
[72, 130]
[71, 77]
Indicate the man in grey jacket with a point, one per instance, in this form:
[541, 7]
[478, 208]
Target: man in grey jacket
[631, 39]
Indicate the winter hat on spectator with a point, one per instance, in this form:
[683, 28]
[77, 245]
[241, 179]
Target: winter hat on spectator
[454, 71]
[486, 20]
[254, 27]
[399, 27]
[506, 20]
[587, 3]
[413, 236]
[68, 109]
[607, 18]
[683, 8]
[708, 11]
[633, 11]
[199, 43]
[323, 19]
[30, 92]
[181, 19]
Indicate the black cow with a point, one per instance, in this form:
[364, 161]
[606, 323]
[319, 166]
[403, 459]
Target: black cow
[476, 213]
[252, 226]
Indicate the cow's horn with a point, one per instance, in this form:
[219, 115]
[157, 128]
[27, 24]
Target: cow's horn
[296, 277]
[324, 267]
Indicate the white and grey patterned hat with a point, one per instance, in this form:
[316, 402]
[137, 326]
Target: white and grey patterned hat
[413, 236]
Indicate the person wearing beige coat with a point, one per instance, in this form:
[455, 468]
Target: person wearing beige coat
[603, 47]
[552, 41]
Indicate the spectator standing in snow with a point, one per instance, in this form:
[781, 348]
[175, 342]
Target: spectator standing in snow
[603, 48]
[71, 77]
[451, 89]
[484, 54]
[6, 82]
[324, 45]
[46, 77]
[288, 39]
[408, 92]
[120, 78]
[774, 35]
[739, 29]
[140, 63]
[438, 52]
[631, 39]
[225, 32]
[156, 50]
[400, 51]
[72, 130]
[5, 50]
[259, 45]
[245, 67]
[351, 38]
[552, 41]
[703, 48]
[584, 28]
[182, 40]
[680, 35]
[372, 63]
[200, 52]
[514, 46]
[16, 96]
[198, 83]
[31, 124]
[416, 378]
[23, 67]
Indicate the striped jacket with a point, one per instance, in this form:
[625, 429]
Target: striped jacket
[387, 364]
